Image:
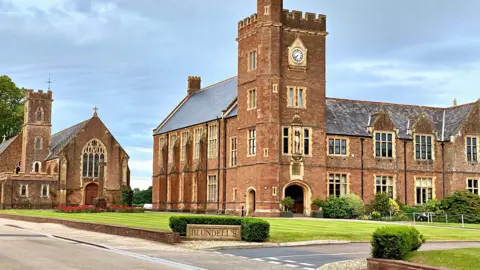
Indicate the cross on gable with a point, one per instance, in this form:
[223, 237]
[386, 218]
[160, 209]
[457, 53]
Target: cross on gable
[95, 109]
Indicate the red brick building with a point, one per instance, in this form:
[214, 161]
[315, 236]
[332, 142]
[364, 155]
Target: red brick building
[271, 132]
[72, 167]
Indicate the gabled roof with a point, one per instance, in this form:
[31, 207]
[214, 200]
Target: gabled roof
[351, 117]
[60, 139]
[4, 145]
[203, 106]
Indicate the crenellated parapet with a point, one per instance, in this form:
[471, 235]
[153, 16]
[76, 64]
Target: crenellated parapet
[31, 94]
[245, 25]
[307, 21]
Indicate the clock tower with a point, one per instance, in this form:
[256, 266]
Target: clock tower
[281, 102]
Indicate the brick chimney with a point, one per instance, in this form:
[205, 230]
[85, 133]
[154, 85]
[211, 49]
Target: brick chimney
[194, 84]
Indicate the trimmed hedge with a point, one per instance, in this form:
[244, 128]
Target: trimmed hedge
[253, 230]
[395, 243]
[286, 214]
[318, 214]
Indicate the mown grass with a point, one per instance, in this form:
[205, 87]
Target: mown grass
[461, 259]
[281, 230]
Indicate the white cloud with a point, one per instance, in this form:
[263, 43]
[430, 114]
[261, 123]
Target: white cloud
[140, 149]
[144, 166]
[140, 182]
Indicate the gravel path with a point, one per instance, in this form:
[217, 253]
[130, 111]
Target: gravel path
[346, 265]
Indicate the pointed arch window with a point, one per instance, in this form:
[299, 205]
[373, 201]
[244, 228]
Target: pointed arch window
[93, 154]
[39, 115]
[37, 165]
[17, 168]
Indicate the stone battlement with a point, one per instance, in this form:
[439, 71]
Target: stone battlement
[307, 21]
[247, 24]
[194, 78]
[31, 94]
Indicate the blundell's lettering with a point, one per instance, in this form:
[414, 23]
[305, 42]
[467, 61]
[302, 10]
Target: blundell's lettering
[213, 232]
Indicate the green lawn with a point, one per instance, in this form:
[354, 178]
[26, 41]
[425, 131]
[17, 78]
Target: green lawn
[281, 230]
[461, 259]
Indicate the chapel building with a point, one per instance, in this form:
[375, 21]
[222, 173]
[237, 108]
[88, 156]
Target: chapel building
[72, 167]
[270, 132]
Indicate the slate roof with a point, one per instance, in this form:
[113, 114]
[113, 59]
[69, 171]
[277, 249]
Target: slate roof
[203, 106]
[5, 144]
[60, 139]
[344, 117]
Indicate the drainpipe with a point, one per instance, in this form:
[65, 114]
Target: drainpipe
[224, 165]
[362, 164]
[405, 170]
[166, 174]
[443, 169]
[206, 168]
[218, 165]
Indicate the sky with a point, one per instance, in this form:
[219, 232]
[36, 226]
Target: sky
[131, 59]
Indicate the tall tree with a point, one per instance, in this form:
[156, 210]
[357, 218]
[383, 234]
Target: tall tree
[11, 107]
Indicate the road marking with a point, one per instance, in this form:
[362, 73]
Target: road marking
[242, 257]
[308, 268]
[322, 254]
[217, 252]
[258, 259]
[291, 265]
[289, 261]
[122, 252]
[272, 258]
[307, 264]
[273, 262]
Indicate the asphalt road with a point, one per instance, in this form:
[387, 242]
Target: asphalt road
[312, 257]
[21, 249]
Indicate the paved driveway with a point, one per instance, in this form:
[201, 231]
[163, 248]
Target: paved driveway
[312, 257]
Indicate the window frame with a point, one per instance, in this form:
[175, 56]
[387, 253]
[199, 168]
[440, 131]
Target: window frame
[473, 189]
[42, 115]
[233, 151]
[302, 140]
[212, 197]
[161, 144]
[420, 144]
[388, 176]
[347, 184]
[381, 142]
[212, 140]
[197, 137]
[252, 59]
[474, 154]
[38, 143]
[340, 139]
[47, 187]
[252, 142]
[184, 136]
[26, 190]
[294, 97]
[251, 99]
[432, 187]
[96, 152]
[172, 140]
[288, 141]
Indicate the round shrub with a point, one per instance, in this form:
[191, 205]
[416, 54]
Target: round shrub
[381, 203]
[356, 205]
[463, 203]
[288, 203]
[394, 208]
[395, 243]
[255, 230]
[336, 208]
[376, 215]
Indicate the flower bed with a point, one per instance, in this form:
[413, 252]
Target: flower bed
[93, 209]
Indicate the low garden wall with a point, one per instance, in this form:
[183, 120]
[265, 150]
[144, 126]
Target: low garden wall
[158, 236]
[381, 264]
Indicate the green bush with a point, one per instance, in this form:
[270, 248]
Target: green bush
[376, 215]
[318, 214]
[409, 209]
[336, 208]
[463, 203]
[253, 230]
[286, 214]
[395, 243]
[356, 205]
[288, 203]
[318, 202]
[434, 206]
[394, 208]
[381, 203]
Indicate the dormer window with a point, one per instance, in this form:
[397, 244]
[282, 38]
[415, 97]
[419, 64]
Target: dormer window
[384, 144]
[423, 147]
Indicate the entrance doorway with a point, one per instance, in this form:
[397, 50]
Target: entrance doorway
[250, 202]
[91, 192]
[296, 192]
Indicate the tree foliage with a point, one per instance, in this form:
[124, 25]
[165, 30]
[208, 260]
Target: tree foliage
[11, 107]
[142, 196]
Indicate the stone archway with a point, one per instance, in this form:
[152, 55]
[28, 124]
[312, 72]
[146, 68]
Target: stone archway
[302, 194]
[91, 192]
[251, 202]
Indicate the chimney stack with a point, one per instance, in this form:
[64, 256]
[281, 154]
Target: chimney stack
[454, 102]
[194, 84]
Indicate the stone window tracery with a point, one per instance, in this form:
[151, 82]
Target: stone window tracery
[93, 154]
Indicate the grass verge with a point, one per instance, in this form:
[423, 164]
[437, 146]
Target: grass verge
[461, 259]
[281, 230]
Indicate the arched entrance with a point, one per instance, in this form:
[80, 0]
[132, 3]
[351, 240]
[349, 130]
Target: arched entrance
[91, 192]
[296, 192]
[251, 202]
[302, 194]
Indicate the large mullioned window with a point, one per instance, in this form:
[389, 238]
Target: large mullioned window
[93, 154]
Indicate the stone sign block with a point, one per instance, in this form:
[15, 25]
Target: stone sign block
[214, 232]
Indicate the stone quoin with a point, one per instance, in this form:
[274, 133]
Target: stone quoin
[247, 142]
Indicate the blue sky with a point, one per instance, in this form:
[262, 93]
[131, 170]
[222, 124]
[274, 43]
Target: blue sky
[132, 58]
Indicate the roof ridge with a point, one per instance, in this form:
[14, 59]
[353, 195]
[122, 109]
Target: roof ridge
[399, 104]
[215, 84]
[65, 129]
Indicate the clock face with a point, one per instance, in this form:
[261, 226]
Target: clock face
[298, 56]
